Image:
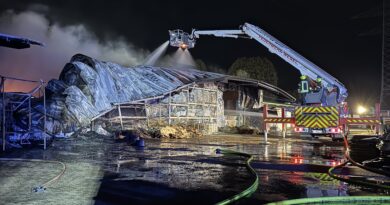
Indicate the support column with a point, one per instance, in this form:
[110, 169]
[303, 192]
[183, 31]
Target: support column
[3, 104]
[120, 116]
[283, 124]
[29, 113]
[146, 114]
[377, 115]
[265, 115]
[159, 110]
[44, 116]
[169, 108]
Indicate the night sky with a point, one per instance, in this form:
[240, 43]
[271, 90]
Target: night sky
[342, 37]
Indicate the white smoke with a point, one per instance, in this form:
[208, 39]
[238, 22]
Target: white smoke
[61, 43]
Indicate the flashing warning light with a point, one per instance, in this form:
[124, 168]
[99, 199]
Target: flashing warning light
[334, 130]
[298, 129]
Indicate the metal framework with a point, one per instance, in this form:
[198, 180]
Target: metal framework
[385, 89]
[14, 101]
[166, 109]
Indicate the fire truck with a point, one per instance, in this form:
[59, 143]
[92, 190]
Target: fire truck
[322, 109]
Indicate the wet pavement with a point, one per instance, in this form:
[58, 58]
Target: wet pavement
[175, 171]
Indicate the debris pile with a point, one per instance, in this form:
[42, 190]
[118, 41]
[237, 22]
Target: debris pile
[88, 87]
[174, 132]
[244, 129]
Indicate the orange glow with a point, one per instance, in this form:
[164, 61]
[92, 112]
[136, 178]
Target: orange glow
[19, 86]
[298, 160]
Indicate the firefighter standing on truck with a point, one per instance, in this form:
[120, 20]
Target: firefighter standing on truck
[318, 84]
[303, 87]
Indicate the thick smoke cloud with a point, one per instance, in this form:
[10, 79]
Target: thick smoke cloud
[61, 42]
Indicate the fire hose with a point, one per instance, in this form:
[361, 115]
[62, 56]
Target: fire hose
[42, 187]
[337, 200]
[346, 199]
[354, 181]
[248, 191]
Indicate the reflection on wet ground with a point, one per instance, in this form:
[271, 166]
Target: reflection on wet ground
[176, 171]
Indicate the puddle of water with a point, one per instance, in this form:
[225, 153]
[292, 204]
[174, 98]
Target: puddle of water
[179, 171]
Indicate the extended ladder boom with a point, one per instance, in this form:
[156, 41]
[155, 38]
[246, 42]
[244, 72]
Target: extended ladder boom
[305, 67]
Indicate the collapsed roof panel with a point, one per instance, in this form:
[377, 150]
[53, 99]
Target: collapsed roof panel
[105, 83]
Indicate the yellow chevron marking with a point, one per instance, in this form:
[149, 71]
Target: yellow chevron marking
[328, 109]
[315, 125]
[310, 122]
[323, 109]
[309, 109]
[333, 117]
[327, 117]
[323, 123]
[316, 109]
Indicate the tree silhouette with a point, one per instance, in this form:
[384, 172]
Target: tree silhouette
[259, 68]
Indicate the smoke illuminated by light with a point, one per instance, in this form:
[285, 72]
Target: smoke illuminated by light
[61, 43]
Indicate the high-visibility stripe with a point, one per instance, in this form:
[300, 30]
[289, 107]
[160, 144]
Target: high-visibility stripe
[324, 109]
[333, 117]
[310, 122]
[323, 123]
[363, 121]
[307, 120]
[308, 109]
[327, 117]
[316, 117]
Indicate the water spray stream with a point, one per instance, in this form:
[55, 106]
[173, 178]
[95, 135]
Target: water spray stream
[183, 58]
[156, 54]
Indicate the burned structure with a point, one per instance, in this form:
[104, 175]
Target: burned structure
[23, 114]
[93, 94]
[142, 96]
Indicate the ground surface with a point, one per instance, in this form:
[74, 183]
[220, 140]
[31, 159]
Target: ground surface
[186, 171]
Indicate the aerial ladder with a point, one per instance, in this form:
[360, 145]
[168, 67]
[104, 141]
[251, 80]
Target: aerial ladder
[323, 110]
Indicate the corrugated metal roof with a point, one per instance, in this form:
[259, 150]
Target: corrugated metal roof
[103, 84]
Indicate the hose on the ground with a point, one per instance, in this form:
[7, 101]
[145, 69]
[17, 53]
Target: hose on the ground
[355, 181]
[377, 171]
[42, 187]
[345, 199]
[337, 200]
[248, 191]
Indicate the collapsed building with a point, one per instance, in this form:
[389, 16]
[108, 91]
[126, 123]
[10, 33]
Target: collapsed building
[94, 94]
